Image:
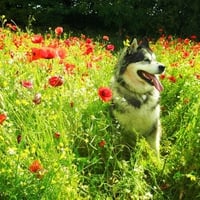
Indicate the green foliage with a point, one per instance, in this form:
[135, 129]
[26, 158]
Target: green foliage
[122, 17]
[68, 129]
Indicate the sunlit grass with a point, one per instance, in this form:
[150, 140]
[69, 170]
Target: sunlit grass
[57, 139]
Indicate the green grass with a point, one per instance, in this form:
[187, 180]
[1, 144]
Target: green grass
[83, 161]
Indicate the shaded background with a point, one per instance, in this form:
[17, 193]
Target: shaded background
[119, 17]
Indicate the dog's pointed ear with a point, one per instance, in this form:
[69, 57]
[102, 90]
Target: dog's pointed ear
[145, 42]
[133, 46]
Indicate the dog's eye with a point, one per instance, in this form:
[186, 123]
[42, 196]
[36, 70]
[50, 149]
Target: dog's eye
[147, 60]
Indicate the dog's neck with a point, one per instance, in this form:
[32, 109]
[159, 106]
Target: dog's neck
[131, 97]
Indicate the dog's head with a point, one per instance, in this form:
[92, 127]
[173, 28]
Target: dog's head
[139, 69]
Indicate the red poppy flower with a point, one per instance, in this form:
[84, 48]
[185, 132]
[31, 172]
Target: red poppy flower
[44, 52]
[172, 79]
[35, 166]
[170, 37]
[37, 39]
[69, 68]
[57, 135]
[105, 94]
[2, 118]
[186, 54]
[192, 62]
[1, 45]
[71, 41]
[88, 41]
[193, 37]
[56, 81]
[186, 41]
[102, 143]
[174, 64]
[12, 26]
[162, 76]
[110, 47]
[34, 54]
[106, 38]
[17, 40]
[27, 84]
[198, 76]
[67, 42]
[47, 53]
[59, 30]
[89, 49]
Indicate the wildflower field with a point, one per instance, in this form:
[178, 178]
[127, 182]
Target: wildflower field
[57, 139]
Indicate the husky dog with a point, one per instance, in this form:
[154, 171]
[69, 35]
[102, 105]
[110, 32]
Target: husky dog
[136, 90]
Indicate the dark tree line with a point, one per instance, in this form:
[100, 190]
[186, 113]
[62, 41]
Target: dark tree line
[136, 17]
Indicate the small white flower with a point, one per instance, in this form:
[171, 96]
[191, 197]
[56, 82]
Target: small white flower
[11, 151]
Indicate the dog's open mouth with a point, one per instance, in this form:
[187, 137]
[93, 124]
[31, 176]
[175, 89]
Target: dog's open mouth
[151, 79]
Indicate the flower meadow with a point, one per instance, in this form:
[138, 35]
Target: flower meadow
[57, 137]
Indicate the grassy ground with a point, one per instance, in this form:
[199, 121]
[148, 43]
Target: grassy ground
[57, 139]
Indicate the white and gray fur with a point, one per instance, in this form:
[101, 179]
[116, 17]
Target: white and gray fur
[135, 96]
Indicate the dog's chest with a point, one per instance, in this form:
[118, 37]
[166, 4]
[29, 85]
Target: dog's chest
[137, 116]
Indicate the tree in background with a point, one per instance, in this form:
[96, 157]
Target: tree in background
[179, 17]
[135, 17]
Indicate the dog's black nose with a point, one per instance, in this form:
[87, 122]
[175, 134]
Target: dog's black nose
[161, 68]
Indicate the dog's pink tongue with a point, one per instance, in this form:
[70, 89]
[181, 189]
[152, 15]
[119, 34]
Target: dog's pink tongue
[156, 82]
